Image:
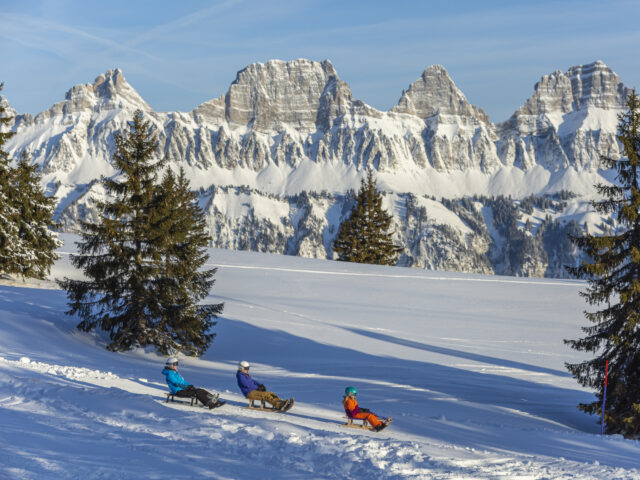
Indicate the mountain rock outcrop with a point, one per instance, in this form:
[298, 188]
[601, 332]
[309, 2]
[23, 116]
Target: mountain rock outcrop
[570, 121]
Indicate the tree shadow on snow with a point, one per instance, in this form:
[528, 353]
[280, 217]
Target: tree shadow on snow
[457, 353]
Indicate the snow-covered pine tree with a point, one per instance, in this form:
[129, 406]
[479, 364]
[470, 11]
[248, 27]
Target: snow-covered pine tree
[116, 253]
[181, 241]
[9, 240]
[613, 273]
[27, 243]
[132, 263]
[364, 237]
[35, 221]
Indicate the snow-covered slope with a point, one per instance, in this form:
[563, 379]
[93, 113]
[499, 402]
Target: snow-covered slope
[470, 367]
[289, 128]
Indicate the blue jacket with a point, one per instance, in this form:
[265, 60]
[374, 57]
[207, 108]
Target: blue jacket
[246, 383]
[175, 380]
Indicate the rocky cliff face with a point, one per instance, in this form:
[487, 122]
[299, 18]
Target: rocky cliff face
[284, 130]
[435, 93]
[300, 95]
[570, 121]
[458, 135]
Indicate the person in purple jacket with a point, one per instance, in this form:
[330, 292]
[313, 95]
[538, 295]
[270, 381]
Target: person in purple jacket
[257, 391]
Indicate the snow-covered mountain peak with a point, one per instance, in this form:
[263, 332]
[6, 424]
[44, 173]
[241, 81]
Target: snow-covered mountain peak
[109, 91]
[596, 85]
[581, 87]
[572, 116]
[111, 86]
[299, 94]
[436, 93]
[276, 68]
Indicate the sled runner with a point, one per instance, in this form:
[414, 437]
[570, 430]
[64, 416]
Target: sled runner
[287, 406]
[172, 398]
[263, 405]
[193, 400]
[357, 423]
[362, 424]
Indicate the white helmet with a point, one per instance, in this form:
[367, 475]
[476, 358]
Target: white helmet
[171, 361]
[243, 364]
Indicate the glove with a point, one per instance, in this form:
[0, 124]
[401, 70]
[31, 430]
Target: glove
[365, 410]
[262, 388]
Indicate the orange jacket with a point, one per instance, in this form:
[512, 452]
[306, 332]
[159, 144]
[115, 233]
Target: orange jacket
[350, 406]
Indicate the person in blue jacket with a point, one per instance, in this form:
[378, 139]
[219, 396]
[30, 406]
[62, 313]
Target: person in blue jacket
[181, 388]
[257, 391]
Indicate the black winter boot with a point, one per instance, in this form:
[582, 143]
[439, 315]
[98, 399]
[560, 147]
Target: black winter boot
[215, 403]
[381, 426]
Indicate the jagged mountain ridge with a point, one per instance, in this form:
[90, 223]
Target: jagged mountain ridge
[284, 128]
[284, 114]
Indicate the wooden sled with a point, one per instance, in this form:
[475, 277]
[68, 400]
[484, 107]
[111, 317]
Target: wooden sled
[263, 406]
[172, 398]
[362, 424]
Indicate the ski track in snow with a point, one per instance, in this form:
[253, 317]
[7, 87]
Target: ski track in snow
[126, 416]
[469, 278]
[413, 277]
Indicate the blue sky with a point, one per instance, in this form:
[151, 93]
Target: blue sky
[180, 54]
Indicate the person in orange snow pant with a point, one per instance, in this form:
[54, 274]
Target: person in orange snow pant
[354, 411]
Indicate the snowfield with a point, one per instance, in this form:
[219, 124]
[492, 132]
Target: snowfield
[470, 367]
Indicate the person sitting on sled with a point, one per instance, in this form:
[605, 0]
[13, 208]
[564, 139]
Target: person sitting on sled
[354, 411]
[253, 390]
[180, 388]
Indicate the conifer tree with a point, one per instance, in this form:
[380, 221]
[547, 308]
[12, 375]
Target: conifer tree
[364, 236]
[613, 273]
[132, 257]
[9, 240]
[35, 221]
[27, 243]
[182, 238]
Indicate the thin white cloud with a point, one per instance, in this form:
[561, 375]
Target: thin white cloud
[491, 23]
[18, 28]
[183, 22]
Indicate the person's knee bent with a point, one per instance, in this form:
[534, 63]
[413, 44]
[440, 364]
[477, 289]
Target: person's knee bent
[254, 395]
[373, 420]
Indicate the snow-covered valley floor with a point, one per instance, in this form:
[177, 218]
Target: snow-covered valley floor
[470, 368]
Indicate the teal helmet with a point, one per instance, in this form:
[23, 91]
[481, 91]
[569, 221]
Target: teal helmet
[350, 391]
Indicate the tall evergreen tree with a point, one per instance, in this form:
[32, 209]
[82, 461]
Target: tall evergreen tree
[613, 274]
[35, 221]
[9, 239]
[27, 243]
[182, 238]
[133, 256]
[364, 236]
